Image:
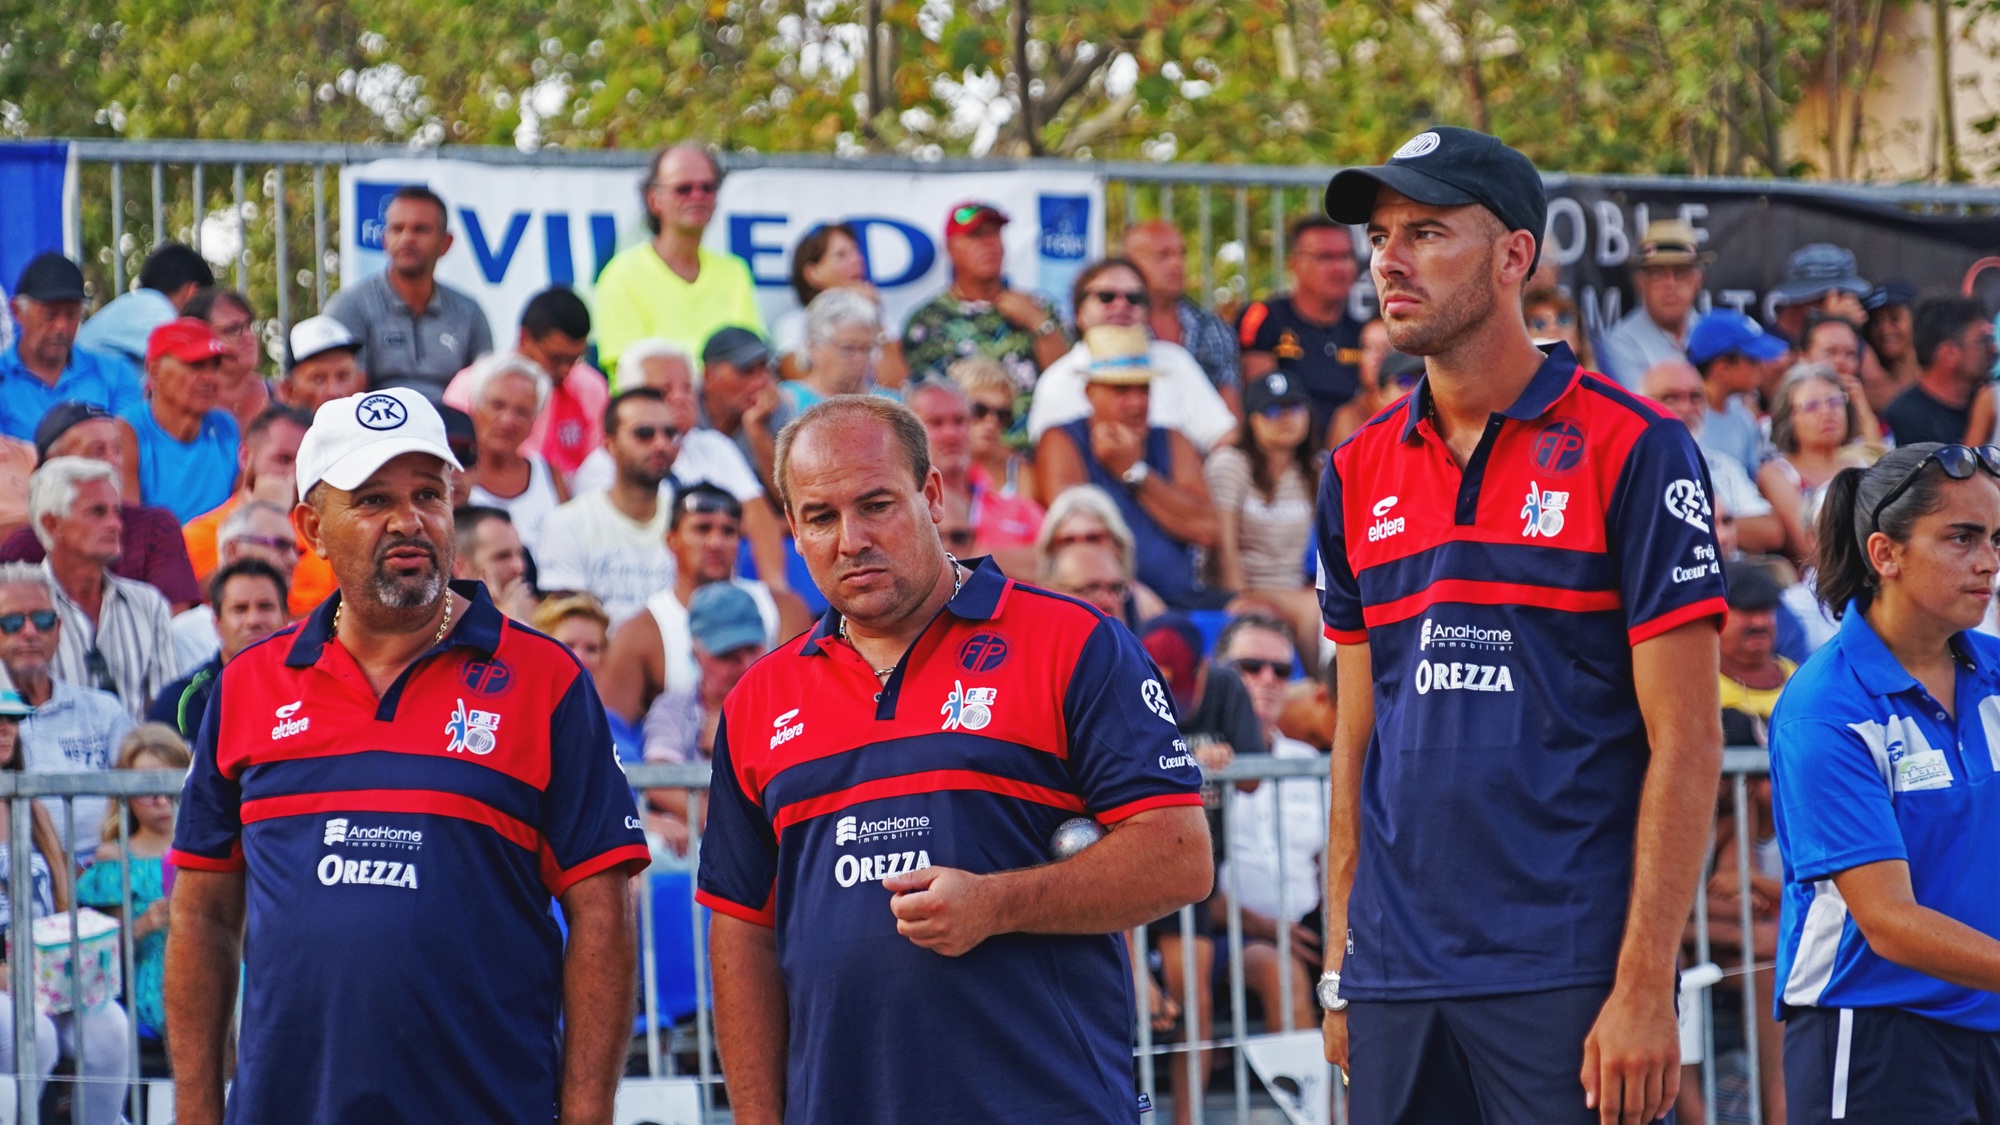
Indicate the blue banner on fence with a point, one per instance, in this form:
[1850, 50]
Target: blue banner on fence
[35, 182]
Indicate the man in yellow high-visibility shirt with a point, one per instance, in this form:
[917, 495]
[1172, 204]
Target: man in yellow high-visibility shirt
[670, 287]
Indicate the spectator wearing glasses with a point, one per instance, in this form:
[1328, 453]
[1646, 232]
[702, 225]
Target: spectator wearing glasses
[1270, 820]
[416, 331]
[670, 287]
[841, 344]
[1551, 316]
[1086, 517]
[1309, 333]
[151, 548]
[555, 331]
[258, 531]
[241, 390]
[1676, 385]
[72, 728]
[1002, 479]
[1954, 345]
[1667, 277]
[117, 634]
[649, 653]
[1159, 251]
[248, 594]
[829, 257]
[974, 525]
[1152, 473]
[1112, 293]
[979, 313]
[1816, 429]
[1263, 488]
[607, 541]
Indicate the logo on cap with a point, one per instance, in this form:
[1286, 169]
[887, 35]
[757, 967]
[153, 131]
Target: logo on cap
[1423, 144]
[380, 412]
[1278, 384]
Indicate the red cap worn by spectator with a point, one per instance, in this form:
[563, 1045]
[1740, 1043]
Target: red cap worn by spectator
[187, 339]
[972, 215]
[1176, 646]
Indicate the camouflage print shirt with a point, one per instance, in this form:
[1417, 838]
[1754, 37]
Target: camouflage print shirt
[946, 329]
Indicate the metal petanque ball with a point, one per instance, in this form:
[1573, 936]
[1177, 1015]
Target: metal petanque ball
[1074, 835]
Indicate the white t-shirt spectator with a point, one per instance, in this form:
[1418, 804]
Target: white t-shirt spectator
[705, 456]
[195, 642]
[683, 674]
[76, 730]
[1734, 487]
[589, 545]
[1278, 816]
[1183, 398]
[531, 507]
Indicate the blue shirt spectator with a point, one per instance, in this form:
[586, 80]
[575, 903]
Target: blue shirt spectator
[187, 446]
[170, 277]
[45, 367]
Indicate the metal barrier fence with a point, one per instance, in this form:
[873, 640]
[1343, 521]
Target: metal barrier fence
[685, 1048]
[258, 205]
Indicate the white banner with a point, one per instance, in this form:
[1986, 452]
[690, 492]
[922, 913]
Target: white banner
[518, 230]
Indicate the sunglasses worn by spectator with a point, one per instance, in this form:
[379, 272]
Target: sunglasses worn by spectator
[1250, 666]
[705, 187]
[645, 434]
[1959, 462]
[981, 412]
[12, 623]
[1113, 296]
[960, 538]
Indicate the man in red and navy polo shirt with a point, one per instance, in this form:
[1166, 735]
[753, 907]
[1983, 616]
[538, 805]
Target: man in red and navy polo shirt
[390, 794]
[890, 941]
[1523, 584]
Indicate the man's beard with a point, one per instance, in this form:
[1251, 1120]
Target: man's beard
[1450, 319]
[410, 591]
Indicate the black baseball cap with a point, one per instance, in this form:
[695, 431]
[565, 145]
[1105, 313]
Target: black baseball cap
[1447, 166]
[50, 277]
[1272, 390]
[61, 419]
[1752, 587]
[739, 347]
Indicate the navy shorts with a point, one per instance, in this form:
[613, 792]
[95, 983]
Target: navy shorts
[1870, 1065]
[1487, 1060]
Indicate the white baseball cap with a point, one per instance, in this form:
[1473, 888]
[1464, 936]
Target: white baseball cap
[316, 334]
[352, 437]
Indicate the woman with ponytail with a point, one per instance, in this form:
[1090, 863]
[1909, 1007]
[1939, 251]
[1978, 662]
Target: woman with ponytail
[1884, 753]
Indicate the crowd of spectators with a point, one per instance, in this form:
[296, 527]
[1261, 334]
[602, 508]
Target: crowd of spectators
[1142, 453]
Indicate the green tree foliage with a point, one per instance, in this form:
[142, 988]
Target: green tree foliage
[1584, 85]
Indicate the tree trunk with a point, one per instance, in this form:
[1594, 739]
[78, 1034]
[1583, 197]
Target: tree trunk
[1947, 128]
[1024, 99]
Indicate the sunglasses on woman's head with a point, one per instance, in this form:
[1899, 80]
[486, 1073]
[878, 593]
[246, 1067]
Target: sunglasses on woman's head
[1958, 462]
[12, 623]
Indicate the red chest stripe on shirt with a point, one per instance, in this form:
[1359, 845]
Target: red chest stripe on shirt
[395, 801]
[931, 781]
[1472, 591]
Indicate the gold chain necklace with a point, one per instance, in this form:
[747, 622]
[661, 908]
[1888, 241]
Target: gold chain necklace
[957, 584]
[443, 626]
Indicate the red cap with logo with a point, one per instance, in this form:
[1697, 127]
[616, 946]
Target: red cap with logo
[187, 339]
[972, 215]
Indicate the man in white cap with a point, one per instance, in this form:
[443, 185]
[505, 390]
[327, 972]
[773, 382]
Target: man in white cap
[324, 364]
[381, 807]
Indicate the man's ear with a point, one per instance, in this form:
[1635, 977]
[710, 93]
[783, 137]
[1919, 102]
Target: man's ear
[306, 521]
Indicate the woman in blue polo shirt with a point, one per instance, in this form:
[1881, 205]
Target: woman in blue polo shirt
[1884, 751]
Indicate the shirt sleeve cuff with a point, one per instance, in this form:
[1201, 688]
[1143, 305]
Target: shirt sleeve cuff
[767, 917]
[634, 857]
[1134, 808]
[189, 861]
[1346, 636]
[1675, 618]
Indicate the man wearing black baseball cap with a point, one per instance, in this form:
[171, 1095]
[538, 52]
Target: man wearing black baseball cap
[45, 367]
[1521, 584]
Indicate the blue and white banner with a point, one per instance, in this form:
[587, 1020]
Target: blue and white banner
[37, 211]
[517, 230]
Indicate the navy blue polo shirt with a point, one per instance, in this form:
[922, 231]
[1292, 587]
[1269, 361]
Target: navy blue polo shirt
[1501, 603]
[1015, 710]
[1866, 766]
[403, 963]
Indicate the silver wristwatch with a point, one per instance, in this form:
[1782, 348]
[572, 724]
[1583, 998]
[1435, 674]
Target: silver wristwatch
[1137, 474]
[1329, 992]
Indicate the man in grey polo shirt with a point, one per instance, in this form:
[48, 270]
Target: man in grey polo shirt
[416, 331]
